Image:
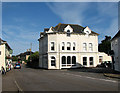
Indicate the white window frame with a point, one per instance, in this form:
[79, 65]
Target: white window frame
[51, 45]
[85, 47]
[91, 61]
[74, 45]
[63, 45]
[51, 60]
[68, 45]
[91, 47]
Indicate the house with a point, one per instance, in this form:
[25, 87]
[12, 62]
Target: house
[24, 56]
[5, 54]
[115, 46]
[68, 46]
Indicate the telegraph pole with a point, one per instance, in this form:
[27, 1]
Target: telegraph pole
[30, 51]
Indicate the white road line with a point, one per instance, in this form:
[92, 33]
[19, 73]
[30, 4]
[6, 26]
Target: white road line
[18, 86]
[91, 77]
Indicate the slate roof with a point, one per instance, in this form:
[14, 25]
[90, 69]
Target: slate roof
[117, 35]
[76, 28]
[3, 41]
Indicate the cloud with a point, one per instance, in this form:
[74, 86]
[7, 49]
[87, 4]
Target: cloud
[20, 37]
[100, 16]
[69, 12]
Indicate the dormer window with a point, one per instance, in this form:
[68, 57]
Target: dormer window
[68, 32]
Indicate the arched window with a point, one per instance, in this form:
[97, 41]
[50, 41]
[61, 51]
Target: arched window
[63, 46]
[68, 60]
[68, 45]
[68, 32]
[84, 46]
[84, 60]
[74, 45]
[91, 60]
[53, 63]
[73, 60]
[63, 60]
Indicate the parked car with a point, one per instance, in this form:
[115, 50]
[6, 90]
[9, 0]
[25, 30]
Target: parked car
[17, 65]
[106, 64]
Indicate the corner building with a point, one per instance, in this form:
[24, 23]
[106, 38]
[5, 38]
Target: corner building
[68, 46]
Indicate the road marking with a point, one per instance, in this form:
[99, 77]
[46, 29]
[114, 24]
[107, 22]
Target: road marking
[91, 77]
[18, 87]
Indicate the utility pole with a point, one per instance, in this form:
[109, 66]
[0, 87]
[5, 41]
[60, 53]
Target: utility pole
[30, 51]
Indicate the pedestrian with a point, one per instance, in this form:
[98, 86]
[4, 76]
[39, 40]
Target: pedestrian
[3, 70]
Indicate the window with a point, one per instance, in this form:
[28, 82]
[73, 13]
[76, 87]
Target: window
[91, 60]
[68, 32]
[68, 60]
[53, 61]
[90, 46]
[84, 46]
[74, 45]
[63, 46]
[100, 59]
[52, 46]
[84, 60]
[63, 60]
[73, 60]
[68, 45]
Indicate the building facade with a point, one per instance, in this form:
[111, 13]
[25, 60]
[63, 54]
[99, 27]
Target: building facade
[5, 54]
[115, 46]
[68, 46]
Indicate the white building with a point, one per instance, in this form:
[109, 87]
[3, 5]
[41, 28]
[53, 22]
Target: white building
[5, 54]
[68, 46]
[115, 46]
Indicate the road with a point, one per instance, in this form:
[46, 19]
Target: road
[27, 79]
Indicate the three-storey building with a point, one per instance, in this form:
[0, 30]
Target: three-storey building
[68, 46]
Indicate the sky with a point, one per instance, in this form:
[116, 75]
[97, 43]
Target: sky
[22, 22]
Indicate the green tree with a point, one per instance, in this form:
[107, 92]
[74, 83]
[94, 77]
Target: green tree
[105, 45]
[34, 60]
[14, 58]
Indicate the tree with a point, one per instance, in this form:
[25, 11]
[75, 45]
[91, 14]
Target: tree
[105, 45]
[14, 58]
[34, 60]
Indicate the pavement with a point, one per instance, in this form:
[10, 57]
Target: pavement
[105, 71]
[39, 80]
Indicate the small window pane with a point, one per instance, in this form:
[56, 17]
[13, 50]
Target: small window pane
[63, 60]
[74, 46]
[63, 46]
[84, 60]
[68, 46]
[68, 60]
[52, 46]
[91, 60]
[73, 60]
[68, 32]
[53, 61]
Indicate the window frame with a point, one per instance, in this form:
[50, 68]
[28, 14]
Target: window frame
[53, 60]
[84, 61]
[85, 47]
[68, 46]
[52, 46]
[91, 61]
[91, 47]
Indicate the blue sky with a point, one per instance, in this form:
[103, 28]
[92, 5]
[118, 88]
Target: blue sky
[22, 22]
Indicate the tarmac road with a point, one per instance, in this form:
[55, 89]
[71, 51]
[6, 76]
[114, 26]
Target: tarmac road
[27, 79]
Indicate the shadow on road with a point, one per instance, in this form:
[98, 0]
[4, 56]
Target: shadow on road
[94, 70]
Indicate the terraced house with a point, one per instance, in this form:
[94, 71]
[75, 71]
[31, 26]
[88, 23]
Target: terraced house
[5, 54]
[68, 46]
